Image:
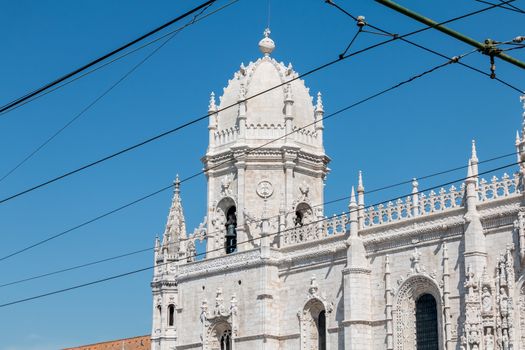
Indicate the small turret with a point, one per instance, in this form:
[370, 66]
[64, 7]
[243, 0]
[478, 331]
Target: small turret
[361, 200]
[175, 227]
[474, 159]
[212, 123]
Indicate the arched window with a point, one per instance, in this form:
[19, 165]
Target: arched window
[426, 323]
[159, 312]
[298, 218]
[226, 340]
[231, 230]
[321, 328]
[313, 326]
[303, 214]
[171, 314]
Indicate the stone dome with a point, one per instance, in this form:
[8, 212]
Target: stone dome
[268, 108]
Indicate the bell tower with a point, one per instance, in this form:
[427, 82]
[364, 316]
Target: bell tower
[265, 158]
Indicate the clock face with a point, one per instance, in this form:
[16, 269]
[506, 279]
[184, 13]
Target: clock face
[265, 189]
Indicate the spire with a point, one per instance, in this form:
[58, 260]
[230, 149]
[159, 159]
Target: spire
[266, 45]
[319, 105]
[353, 213]
[212, 107]
[176, 226]
[360, 187]
[360, 200]
[474, 155]
[352, 198]
[474, 159]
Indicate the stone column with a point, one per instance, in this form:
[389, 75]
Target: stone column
[241, 175]
[357, 291]
[475, 251]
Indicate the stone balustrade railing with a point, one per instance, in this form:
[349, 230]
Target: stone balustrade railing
[415, 205]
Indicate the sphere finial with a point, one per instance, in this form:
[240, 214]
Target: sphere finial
[266, 45]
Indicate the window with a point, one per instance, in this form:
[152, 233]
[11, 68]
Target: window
[171, 315]
[231, 230]
[426, 323]
[159, 312]
[321, 328]
[298, 218]
[226, 340]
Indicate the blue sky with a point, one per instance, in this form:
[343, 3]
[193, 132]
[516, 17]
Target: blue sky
[423, 127]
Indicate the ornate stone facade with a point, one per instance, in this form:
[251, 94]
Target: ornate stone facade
[437, 269]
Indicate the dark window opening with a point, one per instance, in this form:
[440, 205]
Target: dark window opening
[321, 326]
[231, 231]
[298, 221]
[226, 340]
[171, 315]
[159, 309]
[426, 323]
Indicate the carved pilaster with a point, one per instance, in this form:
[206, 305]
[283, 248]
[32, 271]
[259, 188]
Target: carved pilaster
[388, 306]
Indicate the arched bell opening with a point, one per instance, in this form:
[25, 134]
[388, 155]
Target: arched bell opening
[230, 242]
[303, 214]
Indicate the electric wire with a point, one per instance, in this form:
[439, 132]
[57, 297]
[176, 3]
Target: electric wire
[135, 252]
[107, 63]
[133, 272]
[102, 58]
[107, 91]
[326, 117]
[403, 38]
[510, 8]
[193, 121]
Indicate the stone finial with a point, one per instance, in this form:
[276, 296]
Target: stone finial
[352, 197]
[360, 187]
[266, 45]
[176, 184]
[212, 107]
[517, 142]
[415, 185]
[157, 243]
[319, 108]
[474, 155]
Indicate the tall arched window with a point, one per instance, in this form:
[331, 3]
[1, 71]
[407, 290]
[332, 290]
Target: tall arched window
[159, 313]
[226, 340]
[321, 328]
[426, 323]
[231, 230]
[171, 314]
[313, 326]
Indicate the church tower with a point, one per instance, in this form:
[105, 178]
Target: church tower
[265, 156]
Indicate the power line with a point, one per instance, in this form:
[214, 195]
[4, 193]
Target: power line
[193, 121]
[403, 38]
[341, 110]
[133, 272]
[107, 91]
[510, 8]
[127, 254]
[102, 58]
[127, 53]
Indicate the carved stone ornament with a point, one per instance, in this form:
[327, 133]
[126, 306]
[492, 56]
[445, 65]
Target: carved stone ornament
[226, 185]
[219, 321]
[315, 303]
[265, 189]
